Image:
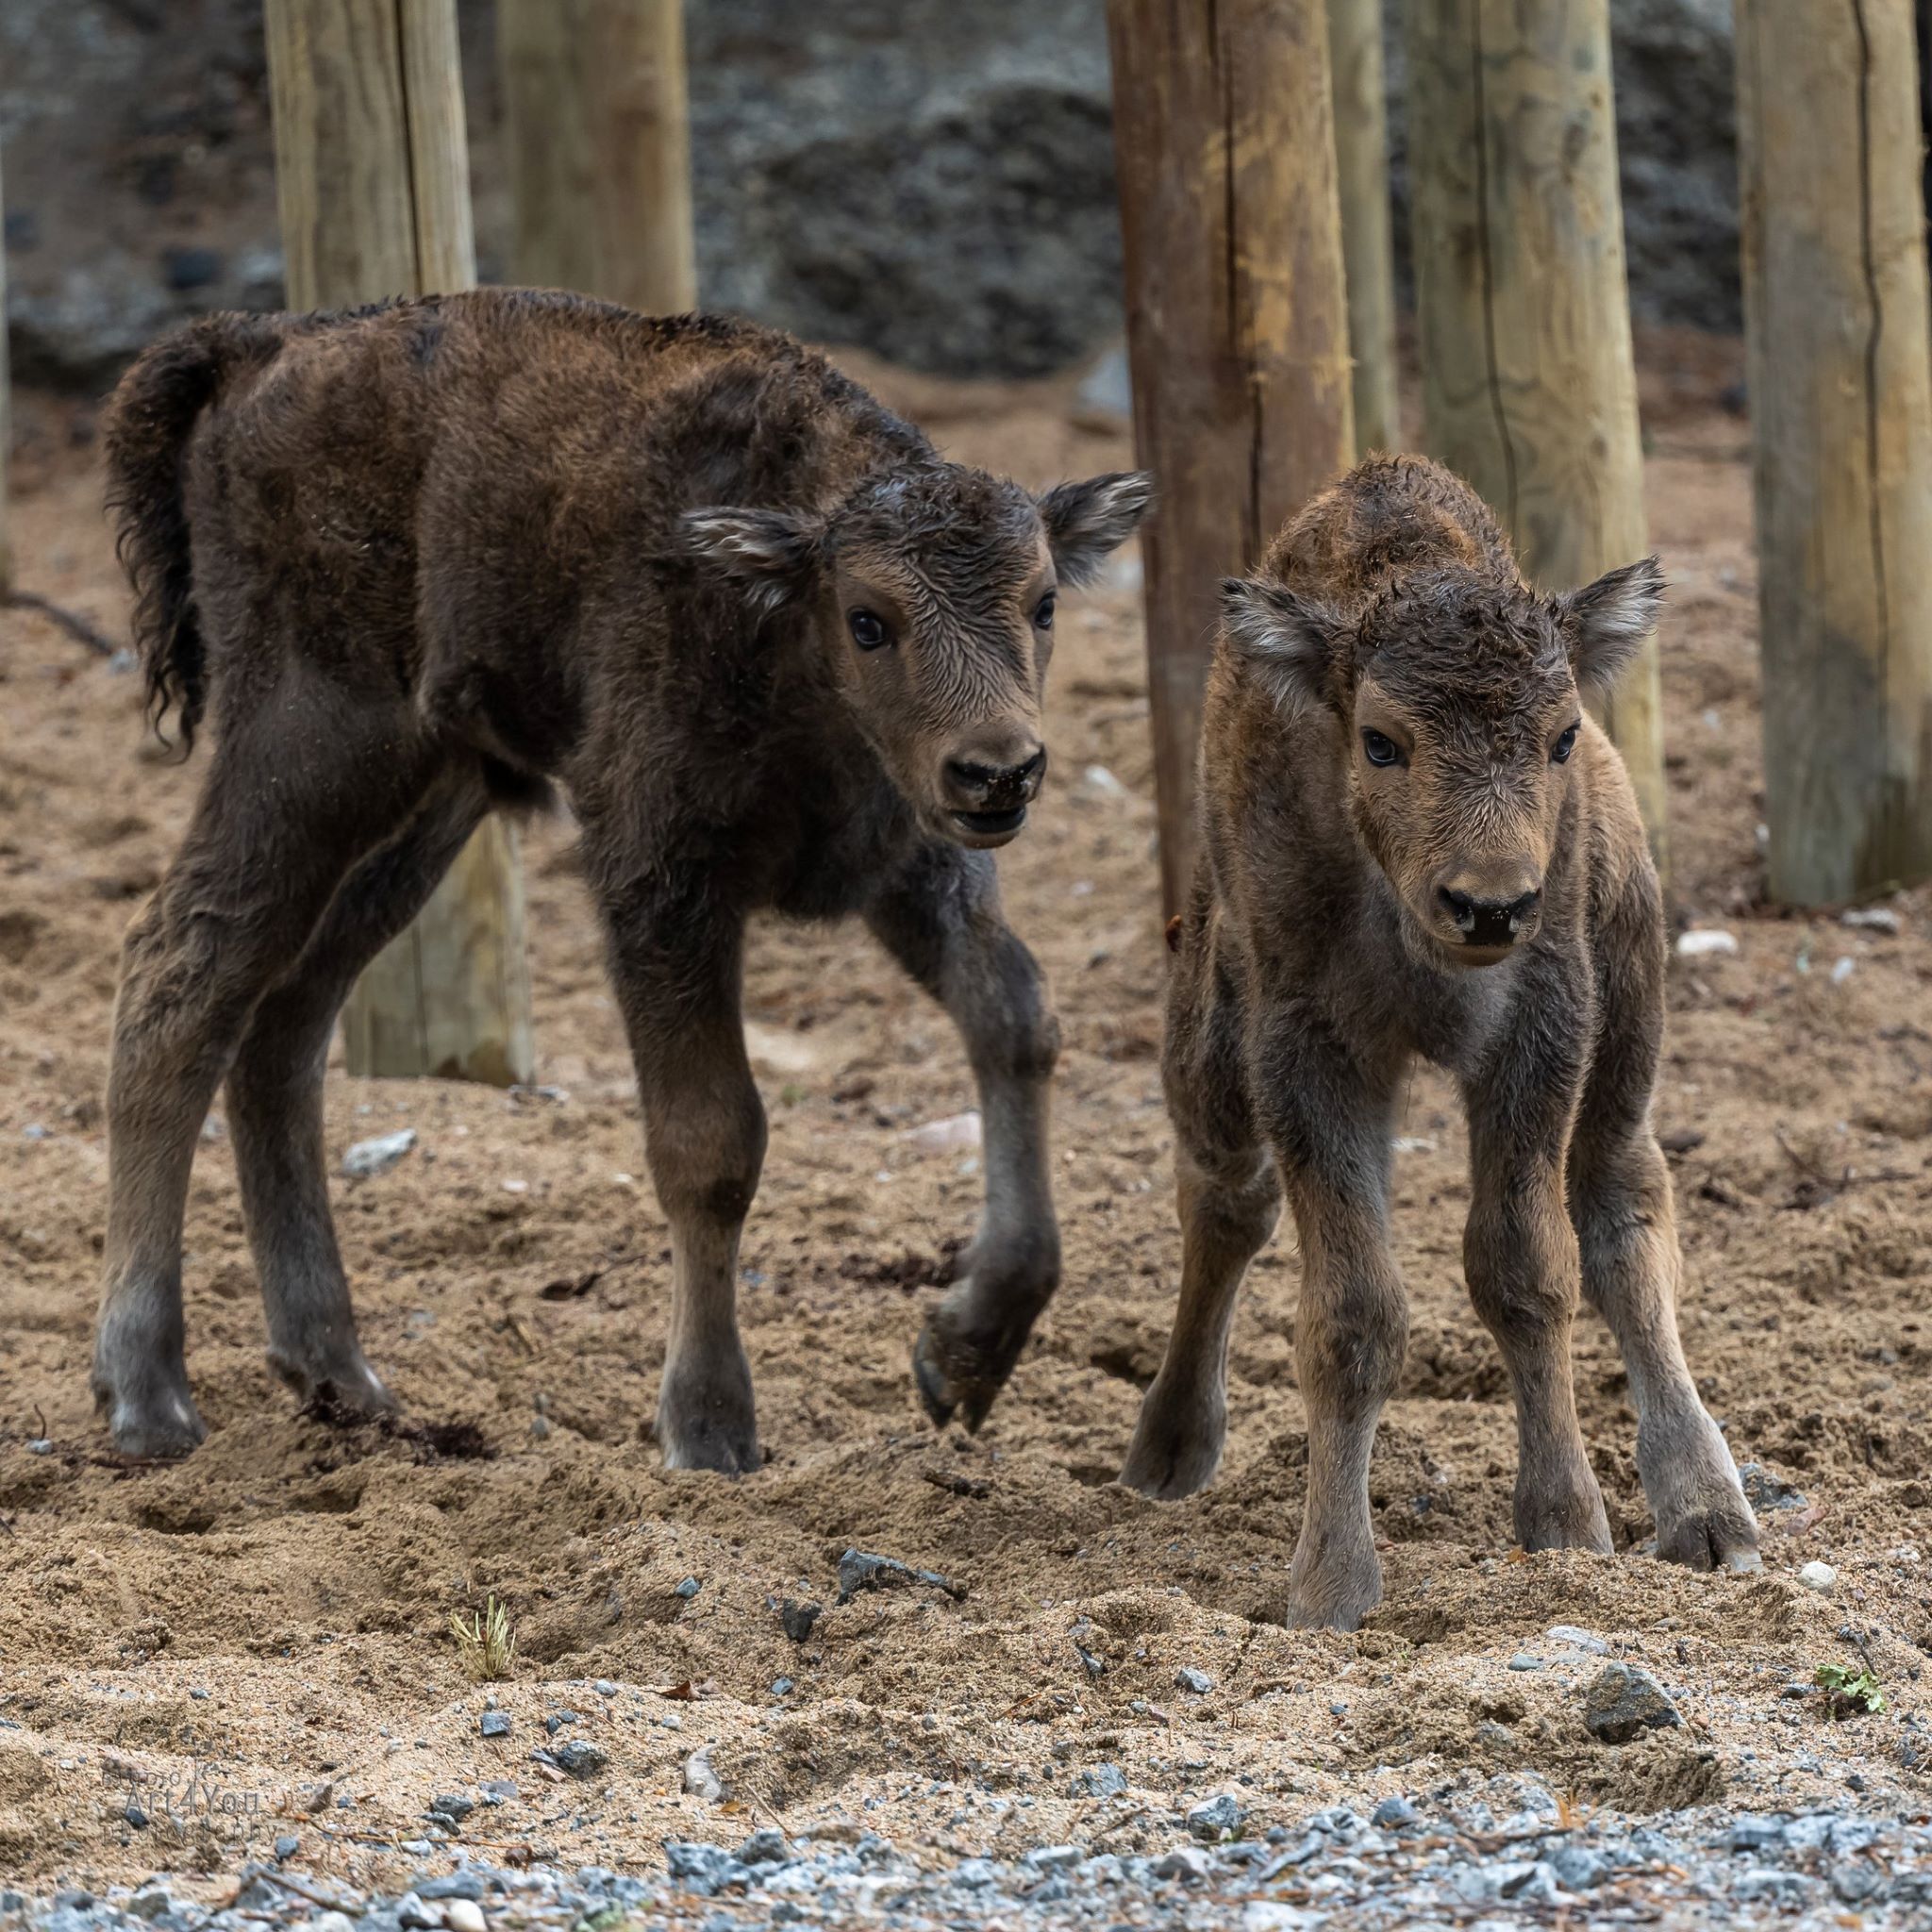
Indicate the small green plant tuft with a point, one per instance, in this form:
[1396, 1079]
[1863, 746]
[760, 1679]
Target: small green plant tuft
[1849, 1692]
[486, 1643]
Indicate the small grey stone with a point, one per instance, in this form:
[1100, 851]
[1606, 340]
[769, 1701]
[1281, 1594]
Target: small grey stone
[453, 1805]
[466, 1884]
[366, 1158]
[144, 1905]
[494, 1723]
[578, 1758]
[605, 1687]
[688, 1589]
[1055, 1857]
[1766, 1491]
[696, 1867]
[1853, 1880]
[781, 1687]
[1394, 1814]
[1216, 1817]
[860, 1570]
[700, 1779]
[1578, 1868]
[412, 1911]
[1186, 1863]
[977, 1875]
[1199, 1682]
[796, 1619]
[1100, 1781]
[41, 1445]
[1526, 1660]
[200, 1696]
[1624, 1701]
[136, 1817]
[1575, 1638]
[765, 1846]
[288, 1845]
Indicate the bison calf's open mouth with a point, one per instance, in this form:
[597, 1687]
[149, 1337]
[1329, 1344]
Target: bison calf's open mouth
[1415, 842]
[448, 554]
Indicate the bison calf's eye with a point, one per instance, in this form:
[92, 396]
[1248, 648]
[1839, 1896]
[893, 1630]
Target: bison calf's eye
[868, 632]
[1381, 751]
[1560, 752]
[1043, 615]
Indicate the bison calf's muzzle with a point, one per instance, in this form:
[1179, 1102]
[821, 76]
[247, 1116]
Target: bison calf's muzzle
[1489, 925]
[988, 800]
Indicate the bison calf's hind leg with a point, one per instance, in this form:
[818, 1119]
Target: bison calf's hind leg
[275, 1110]
[271, 840]
[1225, 1218]
[941, 920]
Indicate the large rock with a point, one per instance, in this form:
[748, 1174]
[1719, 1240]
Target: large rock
[929, 180]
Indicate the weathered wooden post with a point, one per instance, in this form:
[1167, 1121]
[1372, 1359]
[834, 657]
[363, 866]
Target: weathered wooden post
[1835, 314]
[1236, 321]
[6, 426]
[372, 179]
[1529, 391]
[600, 148]
[1361, 173]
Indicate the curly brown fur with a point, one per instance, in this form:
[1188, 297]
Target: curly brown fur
[1415, 844]
[435, 556]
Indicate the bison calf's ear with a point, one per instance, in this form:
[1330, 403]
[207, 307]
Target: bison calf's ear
[1087, 521]
[1608, 621]
[1288, 643]
[770, 553]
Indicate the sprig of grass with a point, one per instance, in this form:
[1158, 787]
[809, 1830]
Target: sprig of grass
[1849, 1692]
[486, 1644]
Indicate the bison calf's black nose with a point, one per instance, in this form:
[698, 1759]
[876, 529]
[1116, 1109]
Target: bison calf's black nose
[1488, 922]
[994, 788]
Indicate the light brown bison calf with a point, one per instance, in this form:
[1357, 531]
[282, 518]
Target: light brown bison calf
[1416, 843]
[434, 556]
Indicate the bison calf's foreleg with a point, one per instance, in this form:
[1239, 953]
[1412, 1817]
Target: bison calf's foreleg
[679, 984]
[942, 920]
[1226, 1215]
[1520, 1256]
[1621, 1199]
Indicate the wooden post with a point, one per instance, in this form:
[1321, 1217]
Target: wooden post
[1835, 314]
[373, 178]
[6, 426]
[1529, 391]
[1236, 321]
[600, 148]
[1361, 173]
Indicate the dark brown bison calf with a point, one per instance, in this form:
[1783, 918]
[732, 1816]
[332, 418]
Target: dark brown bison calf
[432, 556]
[1416, 843]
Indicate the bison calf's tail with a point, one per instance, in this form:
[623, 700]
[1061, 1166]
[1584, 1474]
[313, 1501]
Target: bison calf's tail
[150, 420]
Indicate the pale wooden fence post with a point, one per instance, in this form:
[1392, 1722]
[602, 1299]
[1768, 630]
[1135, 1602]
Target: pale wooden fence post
[1835, 313]
[599, 136]
[1529, 389]
[6, 426]
[1236, 321]
[1361, 173]
[372, 180]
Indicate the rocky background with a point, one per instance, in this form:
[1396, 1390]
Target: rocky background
[930, 179]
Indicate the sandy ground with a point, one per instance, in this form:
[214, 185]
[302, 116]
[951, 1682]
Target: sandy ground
[270, 1619]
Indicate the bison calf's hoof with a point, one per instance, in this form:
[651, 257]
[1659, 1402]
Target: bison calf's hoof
[152, 1418]
[1336, 1597]
[1176, 1446]
[341, 1383]
[963, 1374]
[709, 1420]
[1717, 1534]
